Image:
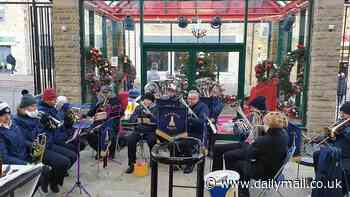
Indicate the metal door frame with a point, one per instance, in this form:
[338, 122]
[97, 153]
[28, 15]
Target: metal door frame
[192, 49]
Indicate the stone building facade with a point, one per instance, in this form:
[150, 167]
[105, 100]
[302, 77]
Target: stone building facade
[323, 69]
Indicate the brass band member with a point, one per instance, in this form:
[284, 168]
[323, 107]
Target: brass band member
[258, 106]
[145, 129]
[340, 138]
[30, 126]
[197, 126]
[262, 158]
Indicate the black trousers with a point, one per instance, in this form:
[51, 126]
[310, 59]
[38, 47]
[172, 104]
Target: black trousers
[236, 160]
[132, 142]
[59, 164]
[234, 151]
[66, 150]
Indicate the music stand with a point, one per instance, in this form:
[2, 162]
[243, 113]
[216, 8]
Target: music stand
[83, 124]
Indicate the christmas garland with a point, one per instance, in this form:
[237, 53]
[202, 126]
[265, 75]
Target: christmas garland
[104, 74]
[103, 71]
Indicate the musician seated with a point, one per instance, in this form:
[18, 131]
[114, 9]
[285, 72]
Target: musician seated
[146, 128]
[31, 127]
[216, 105]
[47, 105]
[15, 148]
[197, 126]
[341, 138]
[263, 158]
[110, 106]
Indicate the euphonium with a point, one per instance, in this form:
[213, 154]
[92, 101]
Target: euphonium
[38, 148]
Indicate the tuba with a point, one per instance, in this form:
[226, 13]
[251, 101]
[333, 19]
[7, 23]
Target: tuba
[38, 148]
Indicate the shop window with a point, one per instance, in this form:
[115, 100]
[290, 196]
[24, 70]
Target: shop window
[4, 52]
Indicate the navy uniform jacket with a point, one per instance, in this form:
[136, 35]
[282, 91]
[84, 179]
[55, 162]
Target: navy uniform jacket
[13, 148]
[31, 128]
[216, 106]
[342, 141]
[269, 152]
[59, 135]
[140, 112]
[198, 127]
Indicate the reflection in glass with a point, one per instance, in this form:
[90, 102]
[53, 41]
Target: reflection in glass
[163, 65]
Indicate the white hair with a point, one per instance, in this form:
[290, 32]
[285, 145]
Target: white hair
[193, 92]
[61, 100]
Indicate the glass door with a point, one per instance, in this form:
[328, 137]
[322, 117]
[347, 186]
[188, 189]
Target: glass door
[161, 62]
[226, 66]
[163, 65]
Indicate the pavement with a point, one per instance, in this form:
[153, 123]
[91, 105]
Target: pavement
[113, 182]
[11, 87]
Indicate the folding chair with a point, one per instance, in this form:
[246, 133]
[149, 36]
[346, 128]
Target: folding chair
[279, 177]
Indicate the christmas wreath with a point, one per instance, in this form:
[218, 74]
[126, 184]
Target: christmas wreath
[103, 71]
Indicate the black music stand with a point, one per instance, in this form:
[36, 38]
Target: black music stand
[83, 124]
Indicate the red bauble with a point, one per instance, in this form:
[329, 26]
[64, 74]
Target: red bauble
[269, 66]
[200, 62]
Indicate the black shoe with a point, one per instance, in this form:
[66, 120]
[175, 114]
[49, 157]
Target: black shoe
[66, 174]
[54, 189]
[177, 168]
[44, 188]
[130, 169]
[188, 169]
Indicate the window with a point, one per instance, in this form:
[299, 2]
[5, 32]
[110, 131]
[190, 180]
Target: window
[4, 52]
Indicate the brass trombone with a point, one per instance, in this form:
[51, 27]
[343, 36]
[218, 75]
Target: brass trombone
[332, 130]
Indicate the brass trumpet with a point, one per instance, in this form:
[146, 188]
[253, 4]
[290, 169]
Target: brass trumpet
[38, 148]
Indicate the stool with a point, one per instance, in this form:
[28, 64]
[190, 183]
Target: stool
[305, 161]
[140, 147]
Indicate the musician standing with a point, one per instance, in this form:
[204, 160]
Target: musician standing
[197, 126]
[341, 138]
[145, 130]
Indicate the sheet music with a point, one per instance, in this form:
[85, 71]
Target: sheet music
[16, 171]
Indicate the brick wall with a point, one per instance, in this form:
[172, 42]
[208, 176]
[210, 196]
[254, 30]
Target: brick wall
[67, 49]
[274, 41]
[324, 61]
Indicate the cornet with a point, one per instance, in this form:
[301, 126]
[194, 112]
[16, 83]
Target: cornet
[52, 123]
[38, 148]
